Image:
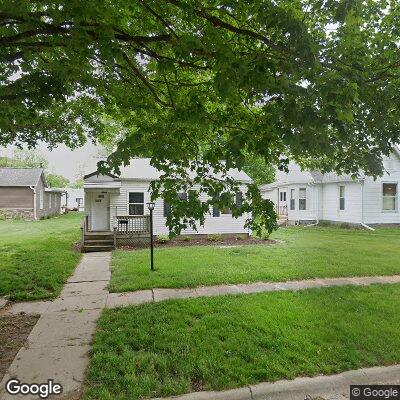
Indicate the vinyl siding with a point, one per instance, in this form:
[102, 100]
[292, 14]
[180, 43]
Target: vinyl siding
[373, 213]
[353, 206]
[16, 197]
[119, 206]
[46, 210]
[310, 213]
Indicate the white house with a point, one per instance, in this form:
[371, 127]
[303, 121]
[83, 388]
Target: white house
[120, 202]
[310, 196]
[73, 199]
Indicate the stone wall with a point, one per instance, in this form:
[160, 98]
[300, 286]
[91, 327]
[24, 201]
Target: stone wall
[13, 213]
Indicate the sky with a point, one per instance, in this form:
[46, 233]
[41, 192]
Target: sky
[69, 163]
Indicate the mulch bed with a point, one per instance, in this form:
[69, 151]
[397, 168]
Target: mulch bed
[14, 330]
[203, 241]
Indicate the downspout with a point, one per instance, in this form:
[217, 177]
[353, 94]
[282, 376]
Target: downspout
[314, 204]
[362, 208]
[34, 201]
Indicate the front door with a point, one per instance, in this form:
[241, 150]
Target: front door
[282, 204]
[100, 212]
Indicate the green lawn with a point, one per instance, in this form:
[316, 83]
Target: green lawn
[180, 346]
[310, 252]
[37, 256]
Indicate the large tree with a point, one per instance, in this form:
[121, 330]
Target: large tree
[200, 85]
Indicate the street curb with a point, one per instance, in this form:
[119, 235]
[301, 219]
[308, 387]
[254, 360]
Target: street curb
[301, 388]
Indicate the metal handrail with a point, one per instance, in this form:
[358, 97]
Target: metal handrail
[282, 210]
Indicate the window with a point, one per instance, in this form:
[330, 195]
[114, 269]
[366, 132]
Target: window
[389, 197]
[136, 203]
[79, 201]
[282, 196]
[41, 199]
[167, 207]
[302, 199]
[341, 198]
[292, 200]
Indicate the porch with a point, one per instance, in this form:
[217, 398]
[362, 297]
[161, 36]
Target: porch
[282, 213]
[127, 229]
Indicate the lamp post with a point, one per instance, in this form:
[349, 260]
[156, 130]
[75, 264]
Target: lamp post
[150, 206]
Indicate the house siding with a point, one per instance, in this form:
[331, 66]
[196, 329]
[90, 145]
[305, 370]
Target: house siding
[223, 224]
[363, 199]
[373, 212]
[16, 197]
[352, 212]
[296, 215]
[48, 209]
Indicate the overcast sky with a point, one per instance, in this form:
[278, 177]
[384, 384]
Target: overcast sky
[66, 162]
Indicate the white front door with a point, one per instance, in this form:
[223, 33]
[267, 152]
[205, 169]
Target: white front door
[100, 211]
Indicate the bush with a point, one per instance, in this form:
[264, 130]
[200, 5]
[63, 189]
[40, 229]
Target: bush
[265, 235]
[238, 237]
[162, 238]
[187, 238]
[3, 215]
[215, 237]
[324, 223]
[345, 225]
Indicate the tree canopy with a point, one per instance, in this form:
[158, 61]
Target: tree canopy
[200, 85]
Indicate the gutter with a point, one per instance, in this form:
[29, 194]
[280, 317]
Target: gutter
[363, 224]
[34, 201]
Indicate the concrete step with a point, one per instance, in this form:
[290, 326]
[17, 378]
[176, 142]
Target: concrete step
[108, 236]
[100, 241]
[93, 247]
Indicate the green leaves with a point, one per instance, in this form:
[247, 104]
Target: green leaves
[205, 85]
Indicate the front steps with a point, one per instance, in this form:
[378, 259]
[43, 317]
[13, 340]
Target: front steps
[98, 241]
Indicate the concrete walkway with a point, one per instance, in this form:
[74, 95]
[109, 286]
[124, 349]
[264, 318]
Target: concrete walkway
[58, 346]
[146, 296]
[334, 387]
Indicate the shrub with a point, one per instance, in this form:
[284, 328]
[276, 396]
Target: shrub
[238, 237]
[265, 235]
[3, 215]
[324, 223]
[215, 237]
[162, 238]
[345, 225]
[187, 238]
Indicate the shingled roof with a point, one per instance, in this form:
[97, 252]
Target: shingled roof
[20, 176]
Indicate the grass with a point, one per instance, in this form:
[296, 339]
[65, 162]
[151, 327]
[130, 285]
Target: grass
[307, 253]
[180, 346]
[37, 257]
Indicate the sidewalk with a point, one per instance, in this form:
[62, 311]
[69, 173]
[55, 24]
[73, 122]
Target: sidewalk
[58, 346]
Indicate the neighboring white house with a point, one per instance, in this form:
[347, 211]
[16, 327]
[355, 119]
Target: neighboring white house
[73, 199]
[310, 196]
[111, 201]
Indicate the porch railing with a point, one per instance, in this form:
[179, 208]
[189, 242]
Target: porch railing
[126, 224]
[282, 210]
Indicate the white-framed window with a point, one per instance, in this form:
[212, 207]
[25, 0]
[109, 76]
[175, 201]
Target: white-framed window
[292, 199]
[282, 196]
[79, 201]
[389, 196]
[40, 193]
[136, 203]
[342, 203]
[302, 199]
